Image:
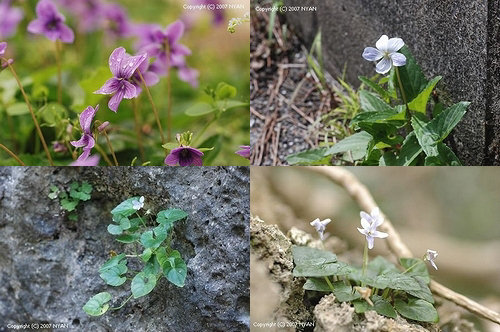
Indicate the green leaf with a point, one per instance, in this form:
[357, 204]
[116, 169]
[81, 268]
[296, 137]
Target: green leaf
[431, 133]
[113, 269]
[226, 105]
[170, 146]
[225, 91]
[311, 262]
[127, 238]
[417, 309]
[53, 114]
[372, 103]
[92, 83]
[381, 91]
[152, 267]
[146, 254]
[79, 195]
[86, 187]
[54, 192]
[73, 216]
[125, 208]
[98, 304]
[412, 78]
[424, 292]
[316, 284]
[176, 269]
[445, 157]
[18, 109]
[168, 217]
[419, 104]
[383, 307]
[199, 109]
[360, 306]
[114, 229]
[382, 116]
[409, 151]
[343, 292]
[153, 240]
[69, 204]
[357, 144]
[418, 268]
[143, 284]
[309, 157]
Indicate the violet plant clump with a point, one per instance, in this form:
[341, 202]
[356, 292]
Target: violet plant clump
[70, 198]
[402, 121]
[378, 285]
[51, 23]
[139, 230]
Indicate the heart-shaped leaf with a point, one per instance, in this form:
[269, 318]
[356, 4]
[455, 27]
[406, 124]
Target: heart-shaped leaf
[98, 304]
[112, 271]
[175, 269]
[153, 239]
[142, 284]
[125, 208]
[417, 309]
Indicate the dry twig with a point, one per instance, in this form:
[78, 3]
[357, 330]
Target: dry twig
[362, 196]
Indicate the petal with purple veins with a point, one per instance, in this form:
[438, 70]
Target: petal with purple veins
[398, 59]
[372, 54]
[111, 86]
[383, 66]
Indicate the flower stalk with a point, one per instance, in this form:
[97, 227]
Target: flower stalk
[169, 93]
[59, 73]
[155, 111]
[110, 146]
[365, 263]
[138, 129]
[12, 154]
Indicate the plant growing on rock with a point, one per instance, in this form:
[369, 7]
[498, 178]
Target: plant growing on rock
[158, 258]
[399, 123]
[378, 285]
[69, 199]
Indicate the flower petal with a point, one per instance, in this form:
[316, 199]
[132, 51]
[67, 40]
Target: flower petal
[86, 118]
[380, 235]
[362, 230]
[174, 31]
[3, 47]
[66, 34]
[370, 240]
[130, 64]
[150, 78]
[372, 54]
[111, 86]
[90, 161]
[398, 59]
[129, 90]
[365, 223]
[383, 66]
[366, 216]
[315, 222]
[434, 265]
[394, 44]
[37, 26]
[46, 8]
[115, 60]
[115, 101]
[382, 43]
[83, 141]
[173, 158]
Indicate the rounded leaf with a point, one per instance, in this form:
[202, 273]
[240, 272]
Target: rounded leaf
[143, 284]
[98, 304]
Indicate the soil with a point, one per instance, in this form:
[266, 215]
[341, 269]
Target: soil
[287, 101]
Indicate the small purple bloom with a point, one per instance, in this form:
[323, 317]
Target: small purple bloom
[87, 12]
[87, 141]
[9, 19]
[116, 20]
[148, 74]
[5, 64]
[184, 156]
[3, 48]
[90, 161]
[244, 151]
[218, 14]
[59, 147]
[189, 75]
[103, 126]
[50, 23]
[121, 85]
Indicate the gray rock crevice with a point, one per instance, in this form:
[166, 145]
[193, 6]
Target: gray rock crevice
[49, 265]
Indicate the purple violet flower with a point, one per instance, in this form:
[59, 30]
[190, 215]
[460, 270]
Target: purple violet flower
[50, 23]
[3, 48]
[87, 12]
[59, 147]
[218, 14]
[244, 151]
[5, 64]
[9, 18]
[90, 161]
[116, 20]
[184, 156]
[121, 84]
[87, 141]
[189, 75]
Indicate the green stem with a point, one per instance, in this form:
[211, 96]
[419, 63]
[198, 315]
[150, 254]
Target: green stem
[140, 218]
[39, 131]
[386, 293]
[365, 263]
[411, 267]
[12, 154]
[169, 94]
[329, 283]
[110, 147]
[138, 129]
[103, 154]
[155, 111]
[123, 303]
[131, 255]
[403, 95]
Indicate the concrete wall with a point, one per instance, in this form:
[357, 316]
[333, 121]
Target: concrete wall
[458, 39]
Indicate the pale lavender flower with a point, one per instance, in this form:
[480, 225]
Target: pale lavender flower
[386, 52]
[87, 140]
[50, 23]
[245, 152]
[320, 226]
[9, 18]
[138, 204]
[59, 147]
[370, 222]
[189, 75]
[120, 85]
[430, 256]
[90, 161]
[184, 156]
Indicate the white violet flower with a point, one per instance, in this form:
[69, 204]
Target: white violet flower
[387, 51]
[138, 204]
[431, 256]
[320, 226]
[370, 222]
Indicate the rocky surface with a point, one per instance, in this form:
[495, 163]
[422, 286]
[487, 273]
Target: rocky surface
[48, 264]
[458, 40]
